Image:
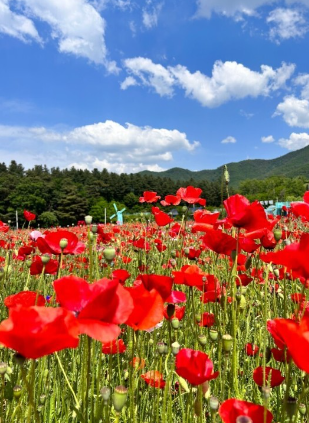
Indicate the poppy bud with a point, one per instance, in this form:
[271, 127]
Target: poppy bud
[202, 339]
[175, 323]
[175, 348]
[126, 375]
[42, 399]
[198, 407]
[227, 343]
[213, 334]
[17, 391]
[276, 272]
[63, 243]
[120, 397]
[302, 409]
[226, 175]
[28, 264]
[94, 229]
[186, 251]
[184, 209]
[161, 347]
[291, 407]
[277, 234]
[106, 393]
[88, 220]
[109, 254]
[198, 317]
[213, 403]
[3, 368]
[244, 419]
[170, 310]
[45, 258]
[242, 303]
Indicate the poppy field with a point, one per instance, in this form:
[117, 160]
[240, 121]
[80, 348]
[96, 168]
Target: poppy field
[203, 320]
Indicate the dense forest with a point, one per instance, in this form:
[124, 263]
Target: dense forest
[63, 197]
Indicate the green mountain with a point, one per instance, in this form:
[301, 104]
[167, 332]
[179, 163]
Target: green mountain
[290, 165]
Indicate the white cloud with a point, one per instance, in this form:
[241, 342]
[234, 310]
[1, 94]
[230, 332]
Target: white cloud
[303, 80]
[17, 25]
[234, 8]
[129, 146]
[229, 140]
[128, 82]
[229, 80]
[75, 24]
[294, 111]
[287, 23]
[151, 15]
[268, 139]
[295, 141]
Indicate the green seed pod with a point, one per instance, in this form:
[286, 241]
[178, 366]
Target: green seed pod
[120, 397]
[161, 347]
[198, 317]
[42, 399]
[213, 334]
[202, 339]
[17, 391]
[175, 348]
[109, 254]
[63, 243]
[242, 303]
[94, 229]
[227, 343]
[184, 209]
[213, 403]
[175, 323]
[302, 409]
[45, 259]
[88, 220]
[277, 234]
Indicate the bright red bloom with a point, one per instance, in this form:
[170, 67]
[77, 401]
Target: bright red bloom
[29, 216]
[149, 197]
[208, 320]
[282, 356]
[4, 227]
[116, 346]
[161, 218]
[273, 377]
[100, 307]
[194, 366]
[121, 274]
[191, 195]
[233, 408]
[293, 256]
[163, 284]
[219, 242]
[252, 350]
[176, 297]
[37, 266]
[154, 378]
[171, 200]
[178, 313]
[190, 276]
[138, 363]
[25, 299]
[204, 220]
[272, 327]
[37, 331]
[148, 308]
[296, 338]
[51, 243]
[242, 214]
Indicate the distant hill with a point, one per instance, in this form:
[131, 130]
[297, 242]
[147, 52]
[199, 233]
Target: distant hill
[290, 165]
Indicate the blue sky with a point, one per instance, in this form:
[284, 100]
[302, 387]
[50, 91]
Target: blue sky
[130, 85]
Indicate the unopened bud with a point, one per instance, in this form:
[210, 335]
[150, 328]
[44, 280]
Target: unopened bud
[277, 234]
[120, 397]
[17, 391]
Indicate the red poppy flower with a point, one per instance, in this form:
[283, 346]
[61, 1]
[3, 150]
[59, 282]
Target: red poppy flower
[219, 242]
[148, 308]
[161, 218]
[37, 266]
[176, 297]
[282, 356]
[51, 243]
[4, 227]
[194, 366]
[29, 216]
[190, 276]
[242, 214]
[233, 408]
[116, 346]
[121, 274]
[138, 363]
[100, 307]
[25, 299]
[171, 200]
[273, 329]
[191, 195]
[208, 320]
[296, 338]
[154, 378]
[149, 197]
[163, 284]
[178, 313]
[142, 244]
[251, 350]
[37, 331]
[273, 377]
[293, 256]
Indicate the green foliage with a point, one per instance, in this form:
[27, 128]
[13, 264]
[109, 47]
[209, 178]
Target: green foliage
[48, 219]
